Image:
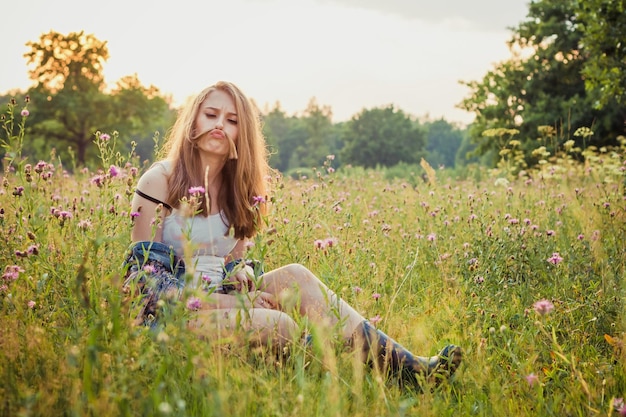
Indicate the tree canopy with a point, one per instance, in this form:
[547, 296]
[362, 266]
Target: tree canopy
[69, 103]
[544, 83]
[382, 136]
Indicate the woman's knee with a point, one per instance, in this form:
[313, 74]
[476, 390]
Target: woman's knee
[282, 327]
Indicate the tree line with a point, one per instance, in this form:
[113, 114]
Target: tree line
[566, 72]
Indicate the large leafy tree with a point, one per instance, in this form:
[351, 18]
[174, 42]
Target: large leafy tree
[604, 28]
[69, 101]
[443, 142]
[317, 120]
[382, 136]
[284, 134]
[543, 85]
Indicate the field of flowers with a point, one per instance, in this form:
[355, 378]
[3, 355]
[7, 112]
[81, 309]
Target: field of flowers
[526, 272]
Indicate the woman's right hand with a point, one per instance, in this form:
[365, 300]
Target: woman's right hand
[262, 299]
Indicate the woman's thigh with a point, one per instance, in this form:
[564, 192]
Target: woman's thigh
[256, 325]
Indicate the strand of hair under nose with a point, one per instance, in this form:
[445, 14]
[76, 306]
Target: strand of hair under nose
[232, 153]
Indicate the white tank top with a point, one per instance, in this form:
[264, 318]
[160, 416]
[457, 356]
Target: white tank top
[209, 242]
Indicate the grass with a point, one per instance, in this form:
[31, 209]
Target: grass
[453, 260]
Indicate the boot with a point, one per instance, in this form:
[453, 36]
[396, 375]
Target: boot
[397, 363]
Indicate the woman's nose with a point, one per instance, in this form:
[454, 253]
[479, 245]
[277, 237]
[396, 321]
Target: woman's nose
[219, 122]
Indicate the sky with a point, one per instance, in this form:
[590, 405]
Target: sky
[349, 55]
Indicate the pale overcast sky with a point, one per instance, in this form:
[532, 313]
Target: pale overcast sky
[348, 54]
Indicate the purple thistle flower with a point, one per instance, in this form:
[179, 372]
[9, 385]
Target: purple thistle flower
[114, 171]
[105, 137]
[25, 113]
[543, 307]
[11, 272]
[532, 379]
[194, 303]
[555, 258]
[196, 190]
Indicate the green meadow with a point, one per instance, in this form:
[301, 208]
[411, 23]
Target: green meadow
[525, 269]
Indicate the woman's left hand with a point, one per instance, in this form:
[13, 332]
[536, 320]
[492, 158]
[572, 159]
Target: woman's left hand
[244, 279]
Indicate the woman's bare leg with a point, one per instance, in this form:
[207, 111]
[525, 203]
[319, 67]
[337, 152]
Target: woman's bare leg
[261, 326]
[294, 285]
[318, 302]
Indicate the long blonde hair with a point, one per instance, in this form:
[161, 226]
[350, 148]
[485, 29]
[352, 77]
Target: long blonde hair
[243, 191]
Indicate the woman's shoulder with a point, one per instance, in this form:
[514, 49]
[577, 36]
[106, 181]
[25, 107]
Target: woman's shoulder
[155, 178]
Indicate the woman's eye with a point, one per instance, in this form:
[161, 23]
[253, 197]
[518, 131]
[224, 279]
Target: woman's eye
[233, 121]
[210, 115]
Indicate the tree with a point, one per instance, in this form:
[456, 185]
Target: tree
[546, 88]
[382, 136]
[139, 112]
[604, 29]
[318, 123]
[443, 142]
[283, 134]
[69, 103]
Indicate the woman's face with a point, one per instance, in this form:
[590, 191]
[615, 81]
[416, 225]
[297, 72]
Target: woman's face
[216, 122]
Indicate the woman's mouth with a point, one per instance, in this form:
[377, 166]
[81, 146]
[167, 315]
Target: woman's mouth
[218, 134]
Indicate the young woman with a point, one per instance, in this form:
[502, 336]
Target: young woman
[200, 204]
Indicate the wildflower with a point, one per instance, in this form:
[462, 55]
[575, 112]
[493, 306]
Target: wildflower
[33, 250]
[19, 191]
[114, 171]
[330, 242]
[258, 199]
[40, 167]
[532, 379]
[550, 232]
[618, 405]
[11, 272]
[197, 190]
[148, 269]
[357, 289]
[194, 303]
[431, 237]
[206, 279]
[595, 235]
[105, 137]
[555, 258]
[98, 180]
[25, 113]
[65, 215]
[84, 225]
[376, 296]
[543, 307]
[31, 304]
[580, 237]
[319, 244]
[134, 214]
[374, 320]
